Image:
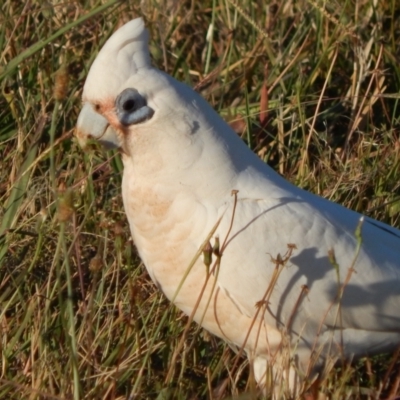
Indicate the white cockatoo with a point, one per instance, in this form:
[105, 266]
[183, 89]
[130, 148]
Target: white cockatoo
[289, 278]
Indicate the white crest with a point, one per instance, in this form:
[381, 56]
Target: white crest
[122, 56]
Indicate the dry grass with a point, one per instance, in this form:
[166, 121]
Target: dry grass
[311, 86]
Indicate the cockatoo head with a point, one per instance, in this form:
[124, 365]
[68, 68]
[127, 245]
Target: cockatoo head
[112, 97]
[158, 123]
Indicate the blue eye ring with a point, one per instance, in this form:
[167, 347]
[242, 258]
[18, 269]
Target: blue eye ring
[131, 107]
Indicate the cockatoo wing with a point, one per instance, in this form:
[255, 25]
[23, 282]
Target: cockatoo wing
[306, 298]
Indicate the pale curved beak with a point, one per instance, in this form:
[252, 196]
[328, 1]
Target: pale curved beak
[91, 126]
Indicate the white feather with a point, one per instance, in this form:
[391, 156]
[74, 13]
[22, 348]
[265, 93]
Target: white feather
[123, 55]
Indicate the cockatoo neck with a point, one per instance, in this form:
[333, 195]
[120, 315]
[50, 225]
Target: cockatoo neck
[187, 146]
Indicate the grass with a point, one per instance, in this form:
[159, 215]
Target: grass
[311, 86]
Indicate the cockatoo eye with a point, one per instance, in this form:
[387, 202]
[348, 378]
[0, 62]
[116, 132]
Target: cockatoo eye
[131, 107]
